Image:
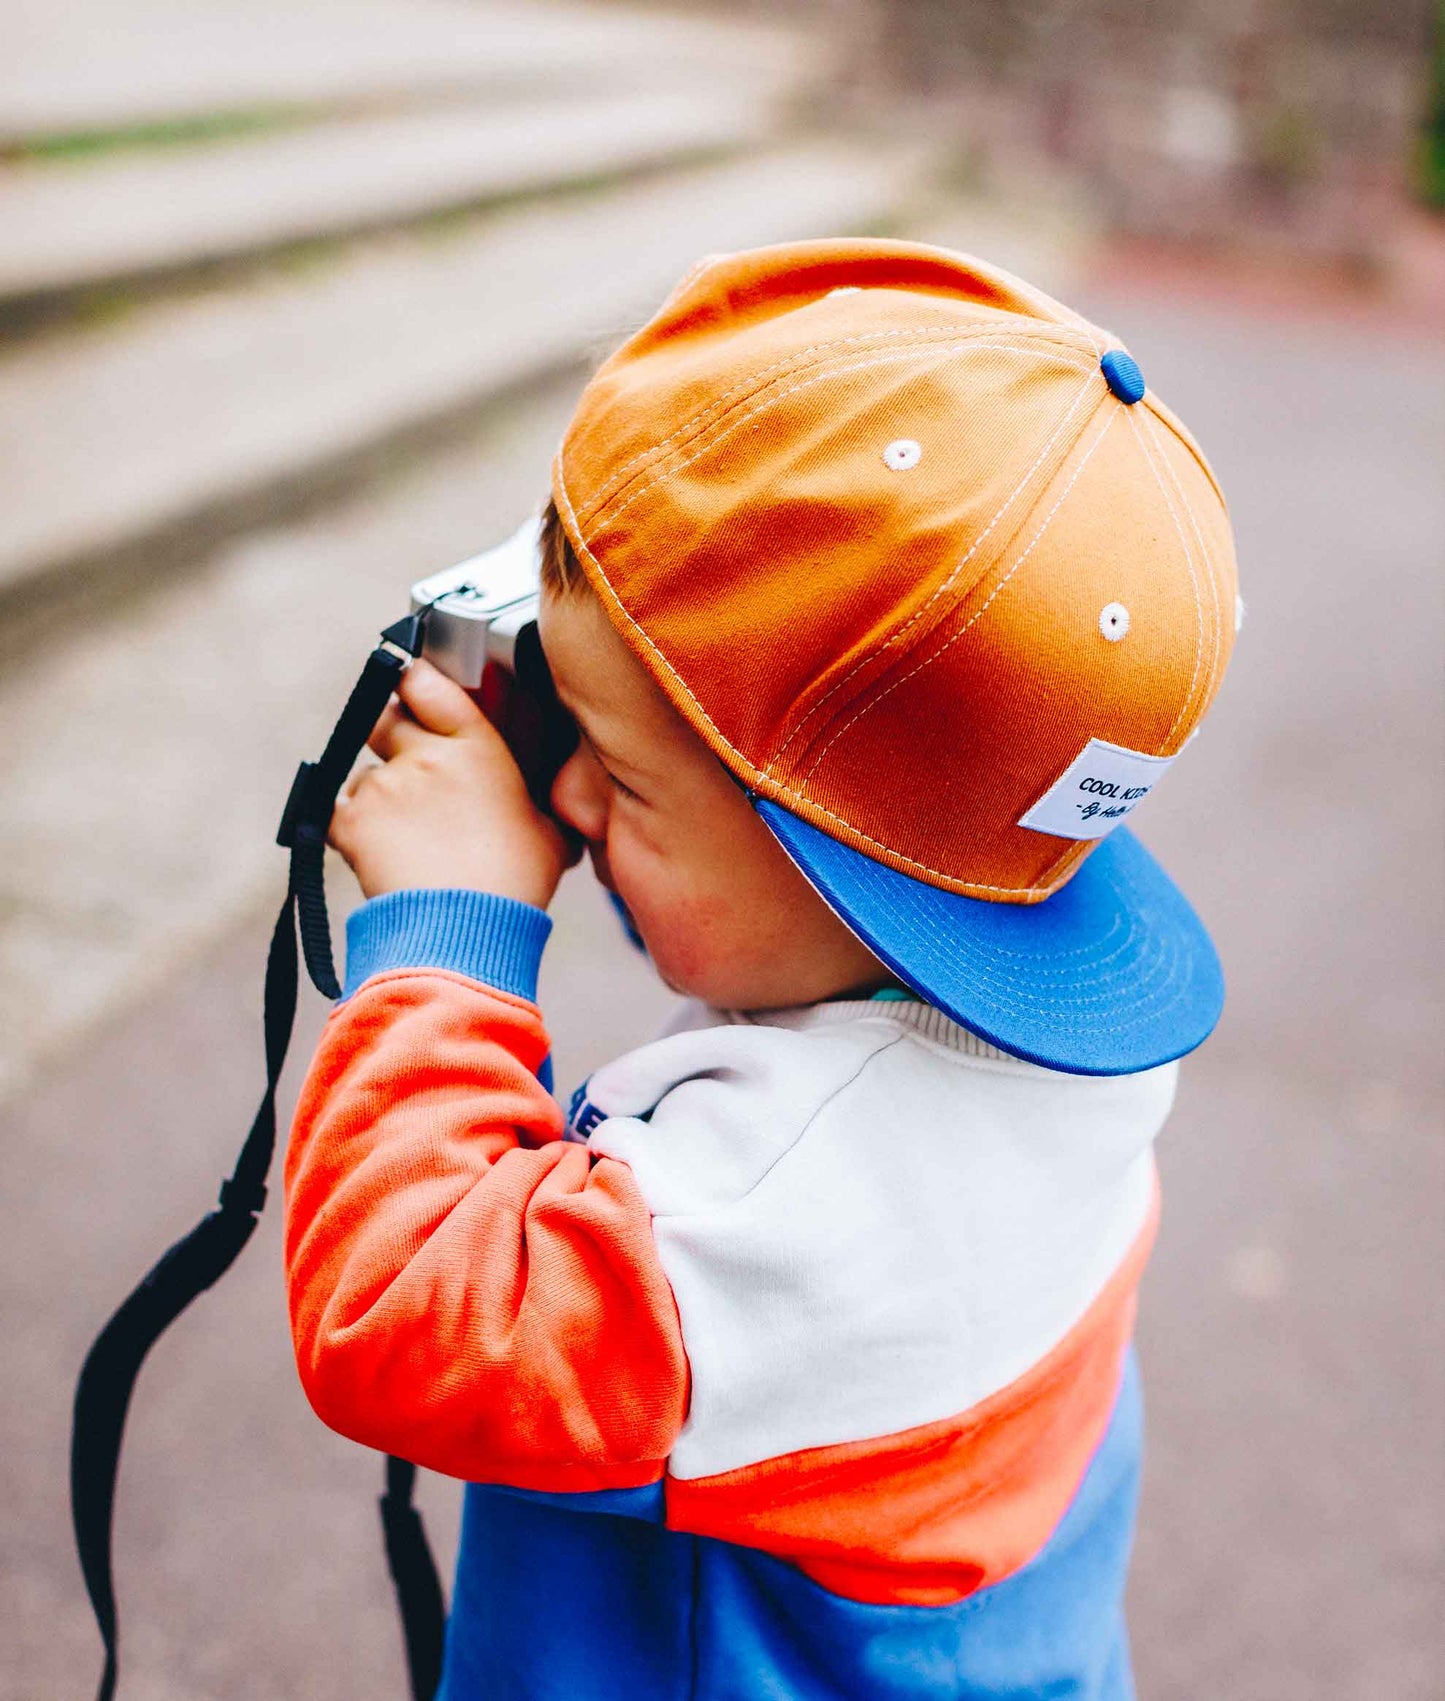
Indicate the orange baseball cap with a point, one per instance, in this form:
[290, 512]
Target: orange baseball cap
[947, 589]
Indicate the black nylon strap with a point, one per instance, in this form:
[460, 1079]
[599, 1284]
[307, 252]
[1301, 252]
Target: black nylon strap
[108, 1376]
[369, 696]
[414, 1577]
[313, 797]
[198, 1259]
[308, 871]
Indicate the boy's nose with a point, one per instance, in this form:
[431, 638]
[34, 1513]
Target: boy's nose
[579, 795]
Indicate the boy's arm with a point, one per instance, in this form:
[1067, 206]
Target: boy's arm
[468, 1290]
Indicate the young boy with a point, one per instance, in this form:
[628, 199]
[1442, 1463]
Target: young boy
[796, 1363]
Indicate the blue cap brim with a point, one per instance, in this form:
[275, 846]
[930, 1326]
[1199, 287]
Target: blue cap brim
[1111, 975]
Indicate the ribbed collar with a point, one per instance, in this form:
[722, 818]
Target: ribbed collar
[913, 1014]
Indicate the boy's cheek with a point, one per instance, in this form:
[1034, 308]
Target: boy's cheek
[680, 927]
[699, 943]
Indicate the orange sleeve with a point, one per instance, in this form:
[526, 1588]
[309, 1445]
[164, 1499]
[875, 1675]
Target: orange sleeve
[468, 1290]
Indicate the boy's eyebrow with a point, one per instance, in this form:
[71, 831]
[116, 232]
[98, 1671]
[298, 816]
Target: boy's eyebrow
[610, 759]
[602, 750]
[602, 747]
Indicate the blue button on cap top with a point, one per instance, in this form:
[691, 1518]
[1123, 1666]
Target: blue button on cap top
[1121, 371]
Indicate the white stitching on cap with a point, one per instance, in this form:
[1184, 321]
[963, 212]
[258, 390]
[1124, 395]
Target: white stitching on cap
[973, 619]
[980, 334]
[560, 481]
[1193, 580]
[890, 357]
[1206, 559]
[1080, 851]
[718, 403]
[939, 590]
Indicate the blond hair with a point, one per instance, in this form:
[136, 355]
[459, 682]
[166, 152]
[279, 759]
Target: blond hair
[562, 572]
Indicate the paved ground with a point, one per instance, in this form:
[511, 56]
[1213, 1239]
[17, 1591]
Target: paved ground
[1294, 1511]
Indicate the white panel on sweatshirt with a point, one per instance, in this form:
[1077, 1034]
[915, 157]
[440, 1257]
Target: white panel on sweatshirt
[870, 1220]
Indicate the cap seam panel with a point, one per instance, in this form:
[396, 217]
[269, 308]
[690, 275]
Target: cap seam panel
[1158, 410]
[951, 883]
[922, 609]
[1206, 562]
[797, 361]
[601, 520]
[1193, 582]
[976, 616]
[1207, 566]
[618, 481]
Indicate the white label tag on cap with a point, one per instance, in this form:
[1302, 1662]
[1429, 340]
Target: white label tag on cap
[1103, 784]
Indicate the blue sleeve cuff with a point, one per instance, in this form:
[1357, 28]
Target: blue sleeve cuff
[497, 941]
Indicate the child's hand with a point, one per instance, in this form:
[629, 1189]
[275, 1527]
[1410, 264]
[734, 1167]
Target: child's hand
[447, 805]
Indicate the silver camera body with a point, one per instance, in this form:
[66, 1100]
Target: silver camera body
[484, 610]
[479, 607]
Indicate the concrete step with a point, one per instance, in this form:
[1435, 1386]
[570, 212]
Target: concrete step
[116, 434]
[68, 225]
[151, 746]
[87, 66]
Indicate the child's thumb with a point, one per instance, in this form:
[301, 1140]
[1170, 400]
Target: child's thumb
[436, 702]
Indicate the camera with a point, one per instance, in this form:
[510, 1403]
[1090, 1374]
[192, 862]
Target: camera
[477, 608]
[481, 630]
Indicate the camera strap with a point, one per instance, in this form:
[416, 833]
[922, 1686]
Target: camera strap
[200, 1258]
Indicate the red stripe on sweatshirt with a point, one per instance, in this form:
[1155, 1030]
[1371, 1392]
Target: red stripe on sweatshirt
[467, 1290]
[928, 1515]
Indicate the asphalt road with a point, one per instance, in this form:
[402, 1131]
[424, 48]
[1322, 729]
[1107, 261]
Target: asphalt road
[1294, 1509]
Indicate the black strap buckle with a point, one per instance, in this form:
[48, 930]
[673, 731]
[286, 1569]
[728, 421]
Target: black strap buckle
[300, 804]
[242, 1196]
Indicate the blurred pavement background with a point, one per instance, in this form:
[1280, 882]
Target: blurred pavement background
[294, 301]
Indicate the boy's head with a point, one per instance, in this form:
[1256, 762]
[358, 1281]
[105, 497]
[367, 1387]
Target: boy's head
[725, 914]
[910, 550]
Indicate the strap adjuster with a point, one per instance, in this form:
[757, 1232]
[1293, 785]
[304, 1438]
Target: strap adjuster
[300, 805]
[242, 1196]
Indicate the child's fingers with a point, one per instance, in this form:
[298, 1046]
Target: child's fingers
[338, 831]
[354, 779]
[395, 731]
[438, 703]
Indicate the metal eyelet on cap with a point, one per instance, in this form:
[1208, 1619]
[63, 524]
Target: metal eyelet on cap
[1114, 621]
[902, 454]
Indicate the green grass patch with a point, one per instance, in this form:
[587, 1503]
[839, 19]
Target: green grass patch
[166, 133]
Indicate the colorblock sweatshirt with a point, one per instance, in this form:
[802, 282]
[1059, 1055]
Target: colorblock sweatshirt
[794, 1362]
